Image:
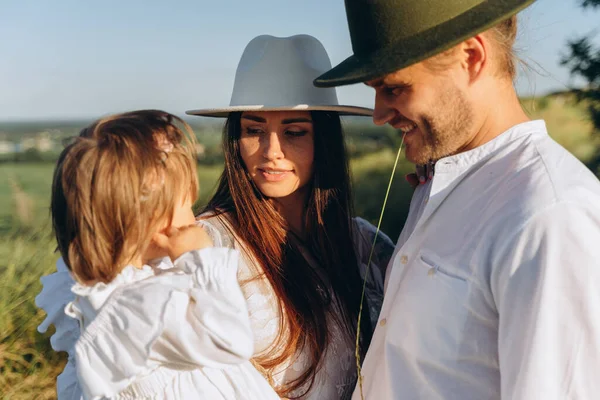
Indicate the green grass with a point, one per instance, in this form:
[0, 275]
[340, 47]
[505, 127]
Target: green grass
[28, 366]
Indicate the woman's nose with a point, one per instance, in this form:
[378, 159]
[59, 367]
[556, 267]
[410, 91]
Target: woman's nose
[272, 147]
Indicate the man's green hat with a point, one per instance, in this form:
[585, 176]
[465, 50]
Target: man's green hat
[388, 35]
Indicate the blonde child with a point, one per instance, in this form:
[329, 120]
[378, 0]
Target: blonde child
[178, 329]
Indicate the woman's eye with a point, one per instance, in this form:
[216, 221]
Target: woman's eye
[253, 131]
[296, 133]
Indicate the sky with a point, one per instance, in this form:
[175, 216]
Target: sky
[82, 59]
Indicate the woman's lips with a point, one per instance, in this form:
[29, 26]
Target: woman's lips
[274, 175]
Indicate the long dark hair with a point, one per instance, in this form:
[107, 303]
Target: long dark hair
[305, 295]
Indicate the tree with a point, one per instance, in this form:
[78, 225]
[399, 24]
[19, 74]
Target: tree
[584, 61]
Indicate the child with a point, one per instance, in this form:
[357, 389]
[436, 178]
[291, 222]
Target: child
[121, 197]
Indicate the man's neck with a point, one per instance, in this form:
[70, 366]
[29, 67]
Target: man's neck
[502, 113]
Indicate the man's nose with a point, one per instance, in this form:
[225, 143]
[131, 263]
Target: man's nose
[382, 113]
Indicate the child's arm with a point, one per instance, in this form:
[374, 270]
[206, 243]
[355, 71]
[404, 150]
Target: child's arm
[215, 328]
[217, 308]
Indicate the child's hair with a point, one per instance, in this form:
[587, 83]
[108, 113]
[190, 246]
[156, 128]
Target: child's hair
[115, 184]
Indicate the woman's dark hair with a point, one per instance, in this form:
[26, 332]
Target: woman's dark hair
[306, 296]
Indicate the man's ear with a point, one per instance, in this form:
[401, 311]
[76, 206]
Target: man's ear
[475, 56]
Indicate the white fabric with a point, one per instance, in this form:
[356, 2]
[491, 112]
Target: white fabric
[334, 380]
[174, 333]
[494, 291]
[56, 294]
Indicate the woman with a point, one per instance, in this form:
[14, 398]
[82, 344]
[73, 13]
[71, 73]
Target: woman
[284, 199]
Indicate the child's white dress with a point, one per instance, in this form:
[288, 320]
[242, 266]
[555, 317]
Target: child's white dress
[175, 333]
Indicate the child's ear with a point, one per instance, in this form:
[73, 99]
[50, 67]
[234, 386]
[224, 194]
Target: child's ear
[156, 247]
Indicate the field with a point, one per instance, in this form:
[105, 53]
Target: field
[28, 367]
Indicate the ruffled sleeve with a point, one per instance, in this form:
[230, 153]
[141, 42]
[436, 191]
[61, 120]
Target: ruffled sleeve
[195, 317]
[217, 229]
[364, 237]
[55, 295]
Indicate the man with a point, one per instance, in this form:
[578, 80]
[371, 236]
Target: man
[494, 290]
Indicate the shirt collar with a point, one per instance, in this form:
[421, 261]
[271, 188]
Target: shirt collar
[468, 158]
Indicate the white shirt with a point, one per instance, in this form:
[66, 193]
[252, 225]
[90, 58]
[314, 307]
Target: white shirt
[494, 289]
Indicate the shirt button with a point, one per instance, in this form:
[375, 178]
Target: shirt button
[431, 272]
[383, 322]
[404, 259]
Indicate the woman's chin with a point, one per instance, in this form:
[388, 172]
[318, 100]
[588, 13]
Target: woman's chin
[275, 193]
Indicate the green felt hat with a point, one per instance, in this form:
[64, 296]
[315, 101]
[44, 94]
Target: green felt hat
[388, 35]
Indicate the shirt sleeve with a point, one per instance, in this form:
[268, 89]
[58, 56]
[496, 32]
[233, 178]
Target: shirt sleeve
[55, 295]
[546, 287]
[382, 246]
[377, 247]
[191, 319]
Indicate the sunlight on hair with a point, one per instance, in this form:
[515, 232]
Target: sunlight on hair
[362, 296]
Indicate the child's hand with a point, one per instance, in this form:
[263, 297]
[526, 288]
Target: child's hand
[176, 241]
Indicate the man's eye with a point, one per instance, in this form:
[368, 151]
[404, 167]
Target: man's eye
[395, 90]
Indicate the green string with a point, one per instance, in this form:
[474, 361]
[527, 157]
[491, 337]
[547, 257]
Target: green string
[362, 297]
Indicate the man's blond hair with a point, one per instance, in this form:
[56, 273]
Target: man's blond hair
[502, 37]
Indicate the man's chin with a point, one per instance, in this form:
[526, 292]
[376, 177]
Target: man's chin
[417, 156]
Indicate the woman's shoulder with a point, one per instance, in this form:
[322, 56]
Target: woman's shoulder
[366, 234]
[218, 227]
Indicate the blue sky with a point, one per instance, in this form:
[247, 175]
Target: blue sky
[80, 59]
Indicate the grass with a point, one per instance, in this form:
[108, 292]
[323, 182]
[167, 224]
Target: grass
[28, 366]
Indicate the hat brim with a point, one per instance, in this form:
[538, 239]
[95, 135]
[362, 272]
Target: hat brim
[419, 47]
[225, 111]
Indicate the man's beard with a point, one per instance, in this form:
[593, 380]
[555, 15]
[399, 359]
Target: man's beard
[444, 130]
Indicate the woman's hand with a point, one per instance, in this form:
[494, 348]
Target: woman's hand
[177, 241]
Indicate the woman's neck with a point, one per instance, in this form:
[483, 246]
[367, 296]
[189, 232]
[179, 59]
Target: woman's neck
[292, 208]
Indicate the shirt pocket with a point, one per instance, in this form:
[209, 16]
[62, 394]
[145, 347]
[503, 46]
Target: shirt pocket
[439, 296]
[435, 266]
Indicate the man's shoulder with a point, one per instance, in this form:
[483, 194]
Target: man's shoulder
[532, 174]
[566, 178]
[538, 172]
